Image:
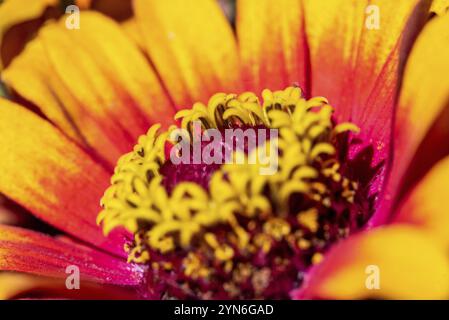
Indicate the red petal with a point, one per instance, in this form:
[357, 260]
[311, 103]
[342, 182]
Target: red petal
[424, 97]
[28, 251]
[359, 69]
[25, 286]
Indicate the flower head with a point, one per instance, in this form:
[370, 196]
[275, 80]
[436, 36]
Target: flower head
[228, 231]
[139, 116]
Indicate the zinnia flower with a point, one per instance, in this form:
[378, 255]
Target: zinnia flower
[362, 179]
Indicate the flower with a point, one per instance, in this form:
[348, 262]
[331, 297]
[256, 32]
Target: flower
[357, 187]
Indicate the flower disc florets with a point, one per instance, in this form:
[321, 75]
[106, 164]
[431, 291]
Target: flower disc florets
[226, 230]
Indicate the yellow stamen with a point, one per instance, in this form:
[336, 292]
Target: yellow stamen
[222, 252]
[193, 267]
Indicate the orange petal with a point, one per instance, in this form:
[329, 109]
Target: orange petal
[125, 67]
[31, 252]
[49, 175]
[132, 29]
[272, 44]
[105, 87]
[24, 286]
[427, 205]
[439, 7]
[21, 19]
[192, 47]
[108, 77]
[32, 76]
[408, 263]
[424, 95]
[356, 66]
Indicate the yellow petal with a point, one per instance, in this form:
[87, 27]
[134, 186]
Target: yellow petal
[12, 284]
[439, 7]
[424, 95]
[131, 28]
[192, 47]
[125, 67]
[105, 88]
[13, 13]
[272, 44]
[427, 205]
[408, 264]
[32, 76]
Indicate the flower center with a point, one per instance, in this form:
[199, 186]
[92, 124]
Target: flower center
[231, 229]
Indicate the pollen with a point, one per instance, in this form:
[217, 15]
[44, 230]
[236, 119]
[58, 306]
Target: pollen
[228, 231]
[277, 228]
[309, 219]
[317, 258]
